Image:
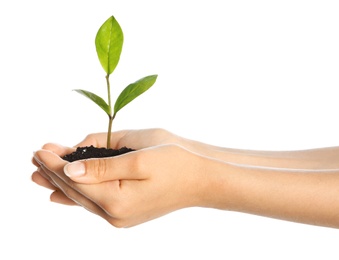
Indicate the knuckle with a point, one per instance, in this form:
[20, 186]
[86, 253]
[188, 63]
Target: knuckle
[90, 137]
[161, 132]
[47, 146]
[97, 168]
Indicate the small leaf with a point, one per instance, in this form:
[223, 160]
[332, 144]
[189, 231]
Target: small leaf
[108, 43]
[134, 90]
[96, 99]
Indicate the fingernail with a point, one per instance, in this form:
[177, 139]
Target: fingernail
[74, 169]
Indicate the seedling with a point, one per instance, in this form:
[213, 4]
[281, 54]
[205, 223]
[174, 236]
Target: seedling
[108, 42]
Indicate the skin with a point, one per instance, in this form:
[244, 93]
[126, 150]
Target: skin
[168, 172]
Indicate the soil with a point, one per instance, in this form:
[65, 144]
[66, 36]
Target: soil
[88, 152]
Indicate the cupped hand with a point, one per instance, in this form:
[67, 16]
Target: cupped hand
[136, 139]
[132, 188]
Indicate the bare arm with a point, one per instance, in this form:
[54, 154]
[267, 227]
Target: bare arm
[306, 196]
[320, 158]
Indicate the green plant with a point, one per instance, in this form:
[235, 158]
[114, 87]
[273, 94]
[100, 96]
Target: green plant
[108, 42]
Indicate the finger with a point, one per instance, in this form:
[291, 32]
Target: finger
[51, 161]
[42, 181]
[97, 140]
[75, 196]
[35, 163]
[43, 174]
[59, 197]
[127, 167]
[58, 149]
[53, 165]
[55, 148]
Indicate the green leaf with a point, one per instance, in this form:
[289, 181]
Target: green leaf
[108, 43]
[96, 99]
[133, 90]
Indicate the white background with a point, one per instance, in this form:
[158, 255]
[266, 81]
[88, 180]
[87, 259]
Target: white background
[242, 74]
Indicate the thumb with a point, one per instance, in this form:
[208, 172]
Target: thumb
[104, 169]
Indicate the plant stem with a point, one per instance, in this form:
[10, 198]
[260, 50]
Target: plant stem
[110, 116]
[109, 94]
[108, 145]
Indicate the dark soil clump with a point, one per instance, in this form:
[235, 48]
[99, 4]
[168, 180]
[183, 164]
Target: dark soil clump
[88, 152]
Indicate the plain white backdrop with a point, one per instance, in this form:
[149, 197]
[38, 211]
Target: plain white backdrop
[242, 74]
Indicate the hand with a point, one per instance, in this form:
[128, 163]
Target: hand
[136, 139]
[130, 189]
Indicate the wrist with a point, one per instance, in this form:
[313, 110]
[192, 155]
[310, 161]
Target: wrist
[214, 184]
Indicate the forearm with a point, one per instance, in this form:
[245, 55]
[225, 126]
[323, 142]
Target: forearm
[310, 197]
[322, 158]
